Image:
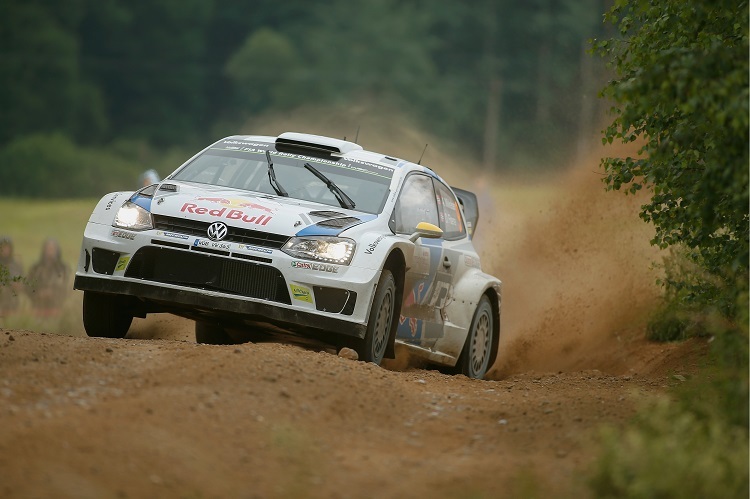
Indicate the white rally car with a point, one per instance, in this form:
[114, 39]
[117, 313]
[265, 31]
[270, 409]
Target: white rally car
[307, 233]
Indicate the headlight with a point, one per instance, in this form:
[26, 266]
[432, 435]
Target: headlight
[133, 217]
[322, 248]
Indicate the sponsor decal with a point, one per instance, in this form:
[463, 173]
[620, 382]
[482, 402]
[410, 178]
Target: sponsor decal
[259, 249]
[371, 247]
[172, 234]
[122, 263]
[421, 260]
[111, 202]
[122, 234]
[237, 203]
[471, 261]
[202, 243]
[226, 213]
[319, 267]
[301, 293]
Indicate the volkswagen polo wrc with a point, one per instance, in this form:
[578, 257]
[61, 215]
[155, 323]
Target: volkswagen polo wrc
[307, 233]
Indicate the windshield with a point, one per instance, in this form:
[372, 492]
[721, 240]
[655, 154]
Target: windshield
[244, 165]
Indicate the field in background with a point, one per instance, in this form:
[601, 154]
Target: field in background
[29, 222]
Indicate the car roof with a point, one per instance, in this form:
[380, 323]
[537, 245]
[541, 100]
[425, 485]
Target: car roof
[346, 149]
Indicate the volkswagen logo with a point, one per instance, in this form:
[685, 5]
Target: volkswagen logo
[217, 231]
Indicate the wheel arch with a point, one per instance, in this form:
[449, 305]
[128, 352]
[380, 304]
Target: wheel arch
[396, 263]
[493, 296]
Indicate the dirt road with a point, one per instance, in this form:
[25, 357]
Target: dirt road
[87, 417]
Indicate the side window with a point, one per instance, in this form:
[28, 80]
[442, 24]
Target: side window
[415, 204]
[449, 213]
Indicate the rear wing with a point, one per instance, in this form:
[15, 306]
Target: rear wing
[470, 205]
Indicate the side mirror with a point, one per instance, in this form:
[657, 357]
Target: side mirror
[426, 229]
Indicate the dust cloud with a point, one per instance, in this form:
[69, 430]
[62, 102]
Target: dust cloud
[576, 265]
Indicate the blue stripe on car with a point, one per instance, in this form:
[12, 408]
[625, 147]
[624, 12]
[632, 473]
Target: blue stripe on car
[318, 230]
[142, 201]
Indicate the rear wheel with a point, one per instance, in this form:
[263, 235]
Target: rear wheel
[211, 333]
[106, 315]
[475, 357]
[372, 347]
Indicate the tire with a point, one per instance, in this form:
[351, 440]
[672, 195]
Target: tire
[372, 348]
[105, 315]
[212, 334]
[475, 356]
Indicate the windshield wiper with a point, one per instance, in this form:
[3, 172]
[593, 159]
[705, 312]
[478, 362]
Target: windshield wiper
[272, 177]
[344, 200]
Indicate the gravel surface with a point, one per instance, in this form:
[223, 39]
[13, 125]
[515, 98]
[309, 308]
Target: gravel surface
[89, 417]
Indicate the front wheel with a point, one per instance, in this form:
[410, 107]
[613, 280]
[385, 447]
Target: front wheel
[475, 357]
[106, 315]
[372, 347]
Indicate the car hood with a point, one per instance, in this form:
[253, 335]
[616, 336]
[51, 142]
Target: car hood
[279, 215]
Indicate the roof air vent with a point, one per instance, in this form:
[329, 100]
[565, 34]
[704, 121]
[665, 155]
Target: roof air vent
[314, 145]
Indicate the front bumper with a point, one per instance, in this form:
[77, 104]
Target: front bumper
[228, 282]
[193, 303]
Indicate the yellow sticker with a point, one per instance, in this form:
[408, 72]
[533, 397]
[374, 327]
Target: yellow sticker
[122, 263]
[301, 293]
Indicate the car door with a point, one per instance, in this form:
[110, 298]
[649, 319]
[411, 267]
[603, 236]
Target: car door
[457, 248]
[420, 322]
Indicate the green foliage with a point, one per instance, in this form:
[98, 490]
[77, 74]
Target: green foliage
[41, 85]
[265, 71]
[669, 324]
[51, 165]
[694, 444]
[170, 72]
[682, 92]
[671, 453]
[382, 50]
[6, 279]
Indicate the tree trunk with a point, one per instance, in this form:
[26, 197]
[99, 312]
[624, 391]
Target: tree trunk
[491, 124]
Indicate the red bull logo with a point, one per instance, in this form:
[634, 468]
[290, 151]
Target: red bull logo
[237, 203]
[226, 213]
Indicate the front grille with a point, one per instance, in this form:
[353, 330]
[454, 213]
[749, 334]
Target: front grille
[201, 271]
[235, 234]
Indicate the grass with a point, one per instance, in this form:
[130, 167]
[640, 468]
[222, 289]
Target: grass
[29, 222]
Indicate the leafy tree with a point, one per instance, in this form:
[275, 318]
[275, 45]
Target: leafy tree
[377, 49]
[148, 58]
[681, 91]
[264, 72]
[169, 71]
[41, 85]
